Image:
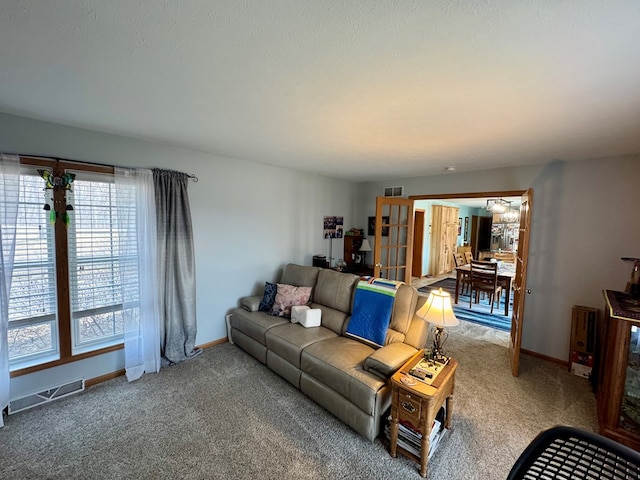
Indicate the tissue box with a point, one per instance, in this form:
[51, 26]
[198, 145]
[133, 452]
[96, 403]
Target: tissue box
[298, 312]
[311, 318]
[307, 317]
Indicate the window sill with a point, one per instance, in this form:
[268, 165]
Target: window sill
[63, 361]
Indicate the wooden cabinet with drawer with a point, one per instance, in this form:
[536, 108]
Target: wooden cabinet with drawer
[409, 408]
[418, 405]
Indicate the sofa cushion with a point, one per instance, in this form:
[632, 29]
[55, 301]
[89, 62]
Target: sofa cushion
[404, 308]
[269, 296]
[385, 361]
[254, 324]
[287, 297]
[417, 333]
[251, 304]
[335, 290]
[288, 340]
[300, 275]
[338, 363]
[331, 318]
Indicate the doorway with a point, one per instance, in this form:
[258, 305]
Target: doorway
[518, 282]
[479, 232]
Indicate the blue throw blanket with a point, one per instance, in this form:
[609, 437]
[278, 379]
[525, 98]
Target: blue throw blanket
[372, 308]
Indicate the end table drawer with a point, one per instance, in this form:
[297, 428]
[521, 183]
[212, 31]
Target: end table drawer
[410, 407]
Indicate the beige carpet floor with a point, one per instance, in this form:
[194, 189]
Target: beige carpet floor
[223, 415]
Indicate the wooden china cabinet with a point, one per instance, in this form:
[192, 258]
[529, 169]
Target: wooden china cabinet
[444, 237]
[353, 258]
[352, 244]
[618, 370]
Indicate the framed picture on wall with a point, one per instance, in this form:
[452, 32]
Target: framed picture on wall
[332, 226]
[466, 229]
[459, 226]
[371, 230]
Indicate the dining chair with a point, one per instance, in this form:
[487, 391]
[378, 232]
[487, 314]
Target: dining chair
[458, 259]
[468, 256]
[465, 279]
[484, 278]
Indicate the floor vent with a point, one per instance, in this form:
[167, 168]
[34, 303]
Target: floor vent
[46, 396]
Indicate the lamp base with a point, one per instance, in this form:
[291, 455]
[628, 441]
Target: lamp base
[439, 337]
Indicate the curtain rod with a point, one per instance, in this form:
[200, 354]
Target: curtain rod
[192, 176]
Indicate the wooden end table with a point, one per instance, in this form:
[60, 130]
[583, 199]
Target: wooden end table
[418, 405]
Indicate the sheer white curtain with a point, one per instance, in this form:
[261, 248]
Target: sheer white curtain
[9, 192]
[135, 200]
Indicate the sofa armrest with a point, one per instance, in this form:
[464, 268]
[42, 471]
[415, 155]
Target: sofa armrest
[250, 303]
[387, 360]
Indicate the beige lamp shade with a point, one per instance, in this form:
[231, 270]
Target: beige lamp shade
[437, 310]
[365, 247]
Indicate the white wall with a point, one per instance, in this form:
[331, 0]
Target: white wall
[249, 220]
[585, 218]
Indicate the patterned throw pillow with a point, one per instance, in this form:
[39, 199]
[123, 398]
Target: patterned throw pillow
[287, 297]
[270, 290]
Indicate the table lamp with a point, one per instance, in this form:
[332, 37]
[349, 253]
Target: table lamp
[437, 311]
[364, 248]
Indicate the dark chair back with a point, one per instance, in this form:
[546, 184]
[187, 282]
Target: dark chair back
[568, 452]
[484, 274]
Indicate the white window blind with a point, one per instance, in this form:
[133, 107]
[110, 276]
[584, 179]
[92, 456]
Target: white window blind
[33, 331]
[94, 264]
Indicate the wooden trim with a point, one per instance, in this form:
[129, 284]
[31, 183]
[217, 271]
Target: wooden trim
[66, 164]
[418, 242]
[64, 361]
[82, 356]
[443, 196]
[213, 343]
[103, 378]
[110, 376]
[558, 361]
[62, 269]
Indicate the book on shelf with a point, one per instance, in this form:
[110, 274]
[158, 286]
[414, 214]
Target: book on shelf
[413, 445]
[410, 438]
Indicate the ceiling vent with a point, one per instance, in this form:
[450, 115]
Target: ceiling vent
[393, 191]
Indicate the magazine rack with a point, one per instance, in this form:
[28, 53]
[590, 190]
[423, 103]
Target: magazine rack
[569, 453]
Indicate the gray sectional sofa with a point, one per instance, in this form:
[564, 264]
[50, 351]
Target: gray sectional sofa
[344, 375]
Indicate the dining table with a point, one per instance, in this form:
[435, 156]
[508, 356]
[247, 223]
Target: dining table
[506, 274]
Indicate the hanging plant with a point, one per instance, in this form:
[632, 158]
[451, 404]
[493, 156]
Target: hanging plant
[57, 182]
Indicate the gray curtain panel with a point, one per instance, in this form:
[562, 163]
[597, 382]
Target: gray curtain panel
[176, 267]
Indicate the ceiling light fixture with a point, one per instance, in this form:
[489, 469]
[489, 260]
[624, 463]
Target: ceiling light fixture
[511, 216]
[450, 168]
[498, 205]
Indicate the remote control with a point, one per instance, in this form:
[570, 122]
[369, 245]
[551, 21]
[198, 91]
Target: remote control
[420, 373]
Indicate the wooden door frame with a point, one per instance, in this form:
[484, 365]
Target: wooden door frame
[520, 282]
[448, 196]
[453, 196]
[418, 242]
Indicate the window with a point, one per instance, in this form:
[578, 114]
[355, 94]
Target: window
[66, 295]
[33, 325]
[94, 273]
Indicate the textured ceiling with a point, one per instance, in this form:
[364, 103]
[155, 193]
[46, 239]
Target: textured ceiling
[361, 90]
